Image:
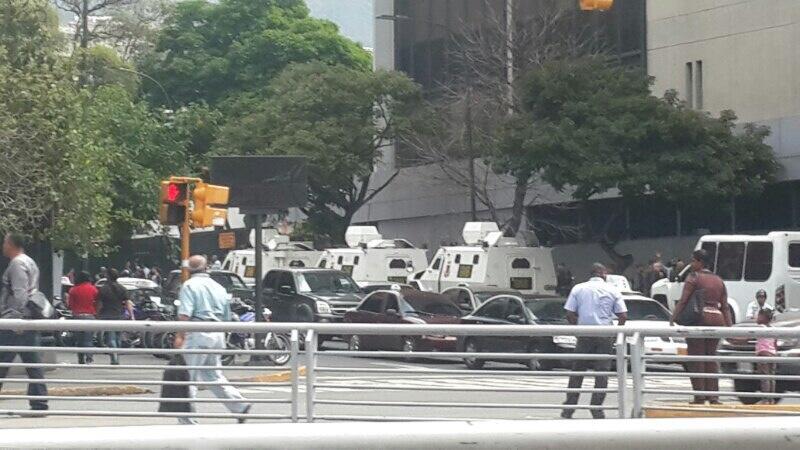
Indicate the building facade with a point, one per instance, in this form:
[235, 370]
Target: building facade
[718, 54]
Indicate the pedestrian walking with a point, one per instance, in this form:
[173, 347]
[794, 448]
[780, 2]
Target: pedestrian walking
[713, 298]
[83, 304]
[204, 300]
[754, 307]
[20, 281]
[766, 346]
[595, 302]
[112, 303]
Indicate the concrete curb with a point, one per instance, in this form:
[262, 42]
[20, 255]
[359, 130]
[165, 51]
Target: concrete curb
[685, 410]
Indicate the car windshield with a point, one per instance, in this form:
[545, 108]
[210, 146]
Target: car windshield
[326, 282]
[432, 307]
[646, 310]
[549, 310]
[229, 281]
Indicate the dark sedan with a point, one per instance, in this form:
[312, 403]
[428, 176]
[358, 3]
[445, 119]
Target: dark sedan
[405, 306]
[516, 310]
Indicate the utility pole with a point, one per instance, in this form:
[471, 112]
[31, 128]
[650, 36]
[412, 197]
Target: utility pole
[510, 54]
[470, 154]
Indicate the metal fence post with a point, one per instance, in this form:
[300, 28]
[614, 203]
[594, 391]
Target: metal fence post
[622, 374]
[294, 355]
[311, 364]
[637, 372]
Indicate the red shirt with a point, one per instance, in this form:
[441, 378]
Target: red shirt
[82, 299]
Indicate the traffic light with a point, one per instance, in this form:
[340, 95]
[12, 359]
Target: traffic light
[596, 5]
[173, 202]
[206, 197]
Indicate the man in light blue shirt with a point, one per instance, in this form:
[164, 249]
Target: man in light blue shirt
[595, 302]
[203, 299]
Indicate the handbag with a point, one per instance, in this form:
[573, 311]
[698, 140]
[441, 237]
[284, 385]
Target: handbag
[175, 373]
[692, 313]
[40, 307]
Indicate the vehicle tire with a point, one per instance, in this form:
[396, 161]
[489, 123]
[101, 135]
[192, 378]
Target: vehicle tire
[354, 343]
[229, 359]
[408, 345]
[304, 313]
[539, 364]
[747, 386]
[470, 346]
[278, 342]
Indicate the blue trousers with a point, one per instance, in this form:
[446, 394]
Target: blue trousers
[26, 339]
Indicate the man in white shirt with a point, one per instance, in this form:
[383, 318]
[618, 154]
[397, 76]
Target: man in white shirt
[757, 305]
[595, 302]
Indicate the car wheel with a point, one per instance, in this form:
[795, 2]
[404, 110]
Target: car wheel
[473, 363]
[747, 386]
[230, 358]
[354, 343]
[304, 313]
[278, 342]
[536, 363]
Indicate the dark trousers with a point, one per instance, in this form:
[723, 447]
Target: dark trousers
[703, 347]
[26, 339]
[590, 345]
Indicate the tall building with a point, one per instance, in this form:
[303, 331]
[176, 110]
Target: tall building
[718, 54]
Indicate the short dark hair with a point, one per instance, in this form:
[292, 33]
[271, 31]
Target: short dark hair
[112, 275]
[83, 277]
[766, 312]
[17, 240]
[701, 255]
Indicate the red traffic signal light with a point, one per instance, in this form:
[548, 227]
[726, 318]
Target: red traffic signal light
[173, 192]
[173, 202]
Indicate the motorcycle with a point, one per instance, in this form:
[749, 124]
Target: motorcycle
[244, 312]
[63, 338]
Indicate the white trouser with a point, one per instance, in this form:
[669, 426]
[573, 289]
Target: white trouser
[213, 374]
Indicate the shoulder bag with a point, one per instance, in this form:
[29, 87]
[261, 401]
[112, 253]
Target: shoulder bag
[692, 313]
[39, 306]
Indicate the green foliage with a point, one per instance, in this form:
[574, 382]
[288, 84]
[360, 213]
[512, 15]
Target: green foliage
[595, 128]
[197, 125]
[208, 52]
[340, 118]
[102, 66]
[28, 31]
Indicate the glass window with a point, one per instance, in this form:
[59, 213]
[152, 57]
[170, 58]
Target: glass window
[391, 303]
[711, 248]
[452, 294]
[476, 259]
[730, 260]
[758, 264]
[433, 307]
[547, 310]
[340, 260]
[464, 271]
[437, 264]
[521, 263]
[286, 279]
[646, 310]
[515, 309]
[495, 309]
[227, 265]
[297, 263]
[373, 302]
[356, 260]
[458, 259]
[397, 264]
[794, 255]
[271, 280]
[326, 282]
[323, 263]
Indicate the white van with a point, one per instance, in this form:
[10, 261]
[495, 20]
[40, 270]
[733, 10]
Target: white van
[489, 259]
[280, 252]
[747, 264]
[372, 260]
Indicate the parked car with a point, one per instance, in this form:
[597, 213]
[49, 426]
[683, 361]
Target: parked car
[508, 309]
[404, 306]
[746, 347]
[646, 311]
[309, 295]
[233, 284]
[469, 298]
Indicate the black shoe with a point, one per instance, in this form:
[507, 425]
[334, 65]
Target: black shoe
[566, 414]
[246, 411]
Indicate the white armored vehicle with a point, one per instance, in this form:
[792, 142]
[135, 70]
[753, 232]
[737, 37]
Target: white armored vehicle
[372, 260]
[491, 260]
[279, 252]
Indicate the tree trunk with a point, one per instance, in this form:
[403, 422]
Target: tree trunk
[85, 24]
[518, 208]
[608, 245]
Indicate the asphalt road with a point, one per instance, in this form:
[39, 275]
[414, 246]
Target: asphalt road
[418, 386]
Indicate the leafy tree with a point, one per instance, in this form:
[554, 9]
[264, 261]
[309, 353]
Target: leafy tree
[102, 66]
[83, 10]
[340, 118]
[590, 128]
[28, 32]
[208, 52]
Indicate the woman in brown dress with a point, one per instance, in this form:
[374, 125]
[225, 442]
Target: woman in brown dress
[716, 313]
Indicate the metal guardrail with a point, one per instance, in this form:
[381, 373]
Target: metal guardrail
[629, 351]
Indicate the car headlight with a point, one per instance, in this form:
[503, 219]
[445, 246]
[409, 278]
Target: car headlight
[565, 340]
[323, 307]
[789, 342]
